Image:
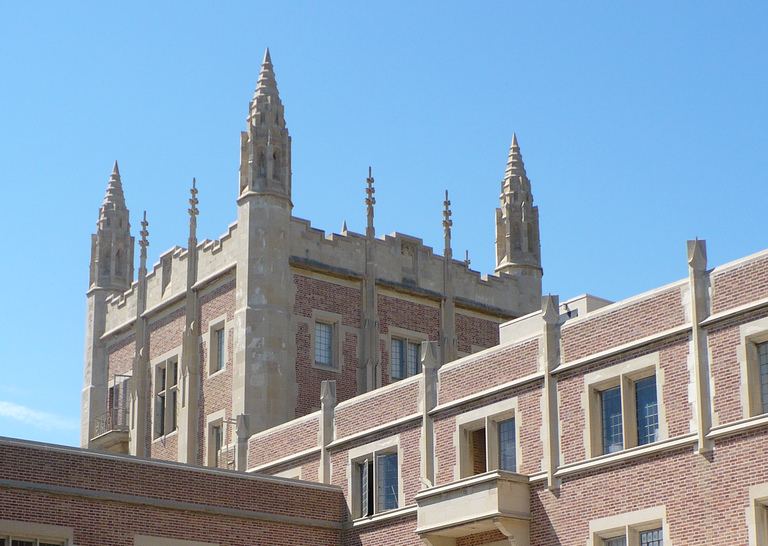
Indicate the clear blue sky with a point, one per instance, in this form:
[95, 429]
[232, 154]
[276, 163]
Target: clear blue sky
[642, 124]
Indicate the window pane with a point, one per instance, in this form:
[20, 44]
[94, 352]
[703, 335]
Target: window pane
[413, 358]
[762, 352]
[22, 543]
[652, 538]
[387, 482]
[647, 411]
[323, 344]
[364, 505]
[173, 410]
[615, 541]
[219, 364]
[161, 379]
[612, 428]
[160, 415]
[173, 369]
[398, 359]
[507, 445]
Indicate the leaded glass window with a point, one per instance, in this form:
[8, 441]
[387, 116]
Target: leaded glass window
[613, 430]
[652, 538]
[615, 541]
[324, 343]
[387, 481]
[647, 411]
[219, 341]
[762, 355]
[405, 358]
[507, 459]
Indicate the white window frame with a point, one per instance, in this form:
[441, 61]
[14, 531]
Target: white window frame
[370, 452]
[409, 336]
[334, 320]
[167, 394]
[624, 375]
[629, 525]
[752, 334]
[214, 366]
[487, 417]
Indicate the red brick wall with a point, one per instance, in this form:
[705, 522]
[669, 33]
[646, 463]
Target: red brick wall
[115, 522]
[630, 322]
[740, 285]
[120, 356]
[471, 330]
[391, 532]
[378, 409]
[483, 372]
[282, 441]
[408, 315]
[215, 390]
[323, 295]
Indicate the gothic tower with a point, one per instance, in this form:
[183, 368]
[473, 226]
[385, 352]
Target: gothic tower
[111, 272]
[264, 370]
[518, 251]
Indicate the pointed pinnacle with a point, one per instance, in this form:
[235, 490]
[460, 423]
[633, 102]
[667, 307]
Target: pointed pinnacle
[266, 84]
[515, 166]
[514, 141]
[114, 197]
[344, 227]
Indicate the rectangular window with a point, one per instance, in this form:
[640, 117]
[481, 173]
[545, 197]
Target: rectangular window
[166, 397]
[378, 478]
[629, 414]
[762, 357]
[217, 437]
[324, 344]
[218, 361]
[615, 541]
[26, 541]
[507, 451]
[654, 537]
[405, 358]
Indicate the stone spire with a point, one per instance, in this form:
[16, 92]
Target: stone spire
[370, 201]
[518, 251]
[448, 340]
[112, 244]
[115, 199]
[369, 366]
[265, 148]
[447, 223]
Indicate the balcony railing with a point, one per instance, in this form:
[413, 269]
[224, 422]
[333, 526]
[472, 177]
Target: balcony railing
[115, 419]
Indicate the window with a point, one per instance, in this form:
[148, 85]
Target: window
[488, 439]
[405, 358]
[762, 361]
[325, 340]
[378, 484]
[375, 480]
[637, 401]
[641, 528]
[324, 344]
[217, 344]
[166, 397]
[217, 439]
[625, 406]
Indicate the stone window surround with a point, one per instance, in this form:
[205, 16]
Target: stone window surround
[393, 332]
[629, 525]
[757, 515]
[163, 361]
[209, 338]
[751, 334]
[52, 534]
[291, 473]
[624, 374]
[217, 418]
[486, 417]
[144, 540]
[334, 319]
[369, 451]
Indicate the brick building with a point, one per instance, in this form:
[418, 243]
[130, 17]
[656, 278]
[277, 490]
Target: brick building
[584, 422]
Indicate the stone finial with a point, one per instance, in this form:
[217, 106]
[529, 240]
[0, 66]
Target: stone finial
[697, 254]
[550, 309]
[115, 198]
[193, 212]
[344, 230]
[466, 258]
[143, 242]
[447, 222]
[430, 355]
[328, 392]
[266, 84]
[370, 201]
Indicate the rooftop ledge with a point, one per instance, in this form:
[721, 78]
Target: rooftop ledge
[493, 500]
